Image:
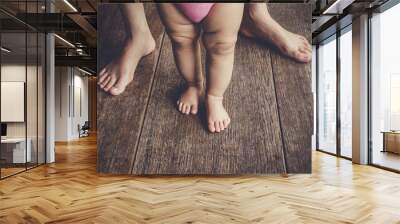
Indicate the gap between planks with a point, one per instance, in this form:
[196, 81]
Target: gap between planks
[148, 100]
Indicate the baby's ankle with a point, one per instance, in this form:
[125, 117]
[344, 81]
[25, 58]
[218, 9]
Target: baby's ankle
[214, 97]
[196, 84]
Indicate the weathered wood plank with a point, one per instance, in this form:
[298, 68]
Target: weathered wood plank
[119, 118]
[293, 90]
[172, 143]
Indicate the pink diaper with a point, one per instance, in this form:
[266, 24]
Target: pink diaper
[195, 11]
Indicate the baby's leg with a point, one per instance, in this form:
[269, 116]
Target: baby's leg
[220, 34]
[184, 36]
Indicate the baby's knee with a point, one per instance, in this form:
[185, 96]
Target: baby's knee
[220, 44]
[183, 39]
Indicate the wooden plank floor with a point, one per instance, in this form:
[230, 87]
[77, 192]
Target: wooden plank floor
[71, 191]
[120, 118]
[293, 91]
[271, 122]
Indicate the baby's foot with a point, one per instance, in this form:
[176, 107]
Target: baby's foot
[119, 73]
[189, 100]
[257, 23]
[217, 117]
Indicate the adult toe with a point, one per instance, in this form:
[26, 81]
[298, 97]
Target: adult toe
[116, 91]
[304, 39]
[305, 47]
[120, 85]
[226, 123]
[110, 84]
[102, 75]
[105, 81]
[303, 57]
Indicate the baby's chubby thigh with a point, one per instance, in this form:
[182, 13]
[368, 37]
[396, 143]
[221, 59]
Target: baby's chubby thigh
[181, 30]
[221, 27]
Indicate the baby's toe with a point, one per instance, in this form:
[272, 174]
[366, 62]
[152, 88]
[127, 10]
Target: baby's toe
[184, 106]
[217, 128]
[187, 110]
[194, 109]
[221, 125]
[180, 106]
[211, 127]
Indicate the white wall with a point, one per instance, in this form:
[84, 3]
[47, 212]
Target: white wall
[9, 73]
[62, 81]
[33, 127]
[81, 103]
[17, 73]
[70, 84]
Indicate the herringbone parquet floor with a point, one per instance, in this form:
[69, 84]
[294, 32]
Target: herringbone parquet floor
[70, 191]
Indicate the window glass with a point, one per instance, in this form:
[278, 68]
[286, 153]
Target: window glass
[15, 150]
[327, 96]
[346, 94]
[385, 89]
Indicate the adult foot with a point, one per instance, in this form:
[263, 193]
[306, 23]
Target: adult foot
[217, 117]
[257, 23]
[188, 102]
[119, 73]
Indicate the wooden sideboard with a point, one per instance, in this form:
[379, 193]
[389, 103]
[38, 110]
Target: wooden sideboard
[13, 150]
[391, 141]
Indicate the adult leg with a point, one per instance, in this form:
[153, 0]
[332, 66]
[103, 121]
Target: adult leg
[258, 23]
[221, 28]
[184, 36]
[119, 73]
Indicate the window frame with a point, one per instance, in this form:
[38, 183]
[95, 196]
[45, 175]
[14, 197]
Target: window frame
[334, 37]
[381, 9]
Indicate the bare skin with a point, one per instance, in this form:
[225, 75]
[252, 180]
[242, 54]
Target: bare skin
[258, 23]
[184, 36]
[188, 102]
[119, 73]
[220, 28]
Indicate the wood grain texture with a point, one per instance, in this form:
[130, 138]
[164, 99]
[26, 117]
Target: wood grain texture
[172, 143]
[293, 89]
[269, 100]
[120, 117]
[70, 191]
